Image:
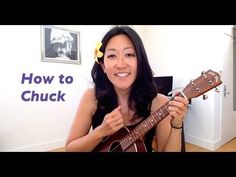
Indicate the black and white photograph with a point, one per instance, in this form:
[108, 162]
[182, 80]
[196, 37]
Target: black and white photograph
[60, 45]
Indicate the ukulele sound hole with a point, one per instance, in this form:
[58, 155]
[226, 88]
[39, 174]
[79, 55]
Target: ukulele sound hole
[115, 147]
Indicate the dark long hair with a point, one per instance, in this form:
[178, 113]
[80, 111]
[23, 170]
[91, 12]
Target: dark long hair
[143, 89]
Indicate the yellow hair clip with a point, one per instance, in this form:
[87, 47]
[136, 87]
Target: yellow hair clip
[98, 53]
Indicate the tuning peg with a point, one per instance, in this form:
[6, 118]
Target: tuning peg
[192, 83]
[204, 97]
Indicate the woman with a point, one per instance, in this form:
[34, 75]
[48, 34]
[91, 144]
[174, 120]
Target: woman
[123, 96]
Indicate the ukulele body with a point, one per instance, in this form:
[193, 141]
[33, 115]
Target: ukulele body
[112, 143]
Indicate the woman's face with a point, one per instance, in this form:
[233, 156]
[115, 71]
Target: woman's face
[120, 62]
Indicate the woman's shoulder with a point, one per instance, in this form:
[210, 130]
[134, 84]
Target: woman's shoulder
[158, 101]
[90, 100]
[90, 93]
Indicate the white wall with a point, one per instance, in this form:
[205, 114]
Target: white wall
[185, 51]
[39, 126]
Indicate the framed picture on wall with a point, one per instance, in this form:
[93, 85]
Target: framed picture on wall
[60, 45]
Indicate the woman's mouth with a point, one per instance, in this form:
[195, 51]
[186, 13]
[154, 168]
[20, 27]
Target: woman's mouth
[122, 74]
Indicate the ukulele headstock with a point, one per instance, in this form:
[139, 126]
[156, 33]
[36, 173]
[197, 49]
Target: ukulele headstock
[207, 81]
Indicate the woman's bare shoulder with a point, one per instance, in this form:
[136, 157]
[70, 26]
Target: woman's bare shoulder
[158, 101]
[89, 99]
[90, 93]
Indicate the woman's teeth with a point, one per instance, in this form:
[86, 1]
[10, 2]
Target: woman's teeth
[122, 74]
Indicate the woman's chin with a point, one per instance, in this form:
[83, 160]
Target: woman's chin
[123, 87]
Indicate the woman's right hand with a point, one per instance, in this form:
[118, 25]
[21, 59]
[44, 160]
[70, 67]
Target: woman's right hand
[112, 122]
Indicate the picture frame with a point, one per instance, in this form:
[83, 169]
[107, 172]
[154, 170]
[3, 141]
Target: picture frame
[60, 45]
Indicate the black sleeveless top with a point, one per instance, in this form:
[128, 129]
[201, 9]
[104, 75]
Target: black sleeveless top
[99, 116]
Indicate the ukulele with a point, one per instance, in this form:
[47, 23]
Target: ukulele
[129, 140]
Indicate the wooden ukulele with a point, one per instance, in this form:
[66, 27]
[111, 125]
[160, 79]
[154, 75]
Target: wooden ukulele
[129, 140]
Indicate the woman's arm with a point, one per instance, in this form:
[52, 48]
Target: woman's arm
[168, 138]
[80, 137]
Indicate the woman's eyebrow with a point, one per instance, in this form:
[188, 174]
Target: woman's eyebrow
[111, 49]
[128, 48]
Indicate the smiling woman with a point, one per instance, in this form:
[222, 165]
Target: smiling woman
[120, 63]
[124, 96]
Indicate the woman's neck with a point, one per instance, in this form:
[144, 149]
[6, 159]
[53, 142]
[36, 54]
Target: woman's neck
[123, 97]
[126, 111]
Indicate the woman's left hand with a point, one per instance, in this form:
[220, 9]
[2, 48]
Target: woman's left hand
[178, 109]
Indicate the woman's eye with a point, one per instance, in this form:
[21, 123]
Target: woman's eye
[111, 56]
[130, 55]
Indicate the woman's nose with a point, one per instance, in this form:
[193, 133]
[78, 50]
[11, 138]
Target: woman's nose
[120, 62]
